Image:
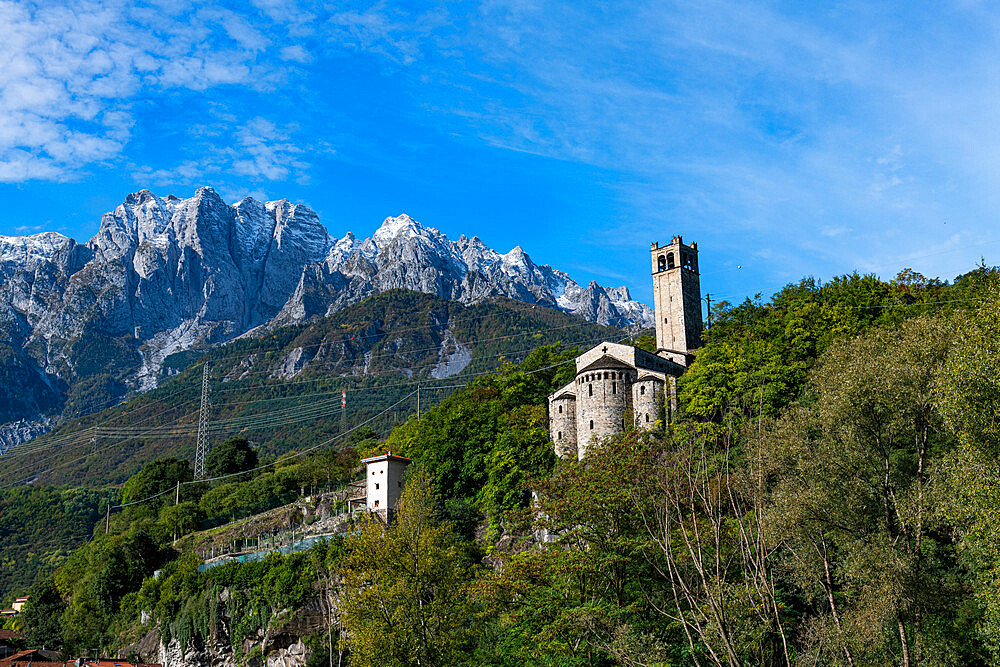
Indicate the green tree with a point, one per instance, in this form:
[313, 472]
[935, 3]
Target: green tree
[481, 442]
[179, 520]
[233, 456]
[403, 600]
[156, 477]
[970, 403]
[584, 596]
[854, 500]
[96, 579]
[42, 614]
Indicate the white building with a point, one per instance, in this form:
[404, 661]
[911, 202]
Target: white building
[617, 385]
[383, 483]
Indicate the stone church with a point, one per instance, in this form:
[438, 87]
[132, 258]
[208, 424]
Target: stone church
[617, 385]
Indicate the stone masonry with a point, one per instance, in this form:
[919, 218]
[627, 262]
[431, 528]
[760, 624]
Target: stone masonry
[618, 386]
[676, 298]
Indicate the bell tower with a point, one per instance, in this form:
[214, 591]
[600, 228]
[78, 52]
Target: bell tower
[676, 299]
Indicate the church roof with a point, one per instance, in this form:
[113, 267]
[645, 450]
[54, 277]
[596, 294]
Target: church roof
[568, 390]
[649, 376]
[604, 363]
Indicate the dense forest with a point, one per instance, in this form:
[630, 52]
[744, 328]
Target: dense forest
[826, 496]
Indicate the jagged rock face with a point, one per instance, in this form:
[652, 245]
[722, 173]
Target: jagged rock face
[14, 433]
[83, 325]
[405, 254]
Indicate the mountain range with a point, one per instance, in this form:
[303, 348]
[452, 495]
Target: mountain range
[84, 325]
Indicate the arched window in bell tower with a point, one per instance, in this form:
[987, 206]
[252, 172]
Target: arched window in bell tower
[661, 263]
[670, 260]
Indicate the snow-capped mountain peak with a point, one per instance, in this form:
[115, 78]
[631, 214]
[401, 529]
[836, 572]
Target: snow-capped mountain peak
[35, 246]
[165, 274]
[403, 253]
[394, 227]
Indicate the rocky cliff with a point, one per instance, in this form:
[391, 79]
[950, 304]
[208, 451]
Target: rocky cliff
[82, 326]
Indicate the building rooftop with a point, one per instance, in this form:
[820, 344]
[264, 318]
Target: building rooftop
[605, 362]
[386, 457]
[52, 658]
[87, 662]
[30, 656]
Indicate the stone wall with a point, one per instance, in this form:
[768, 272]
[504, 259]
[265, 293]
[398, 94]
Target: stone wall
[676, 296]
[647, 402]
[603, 403]
[562, 424]
[279, 645]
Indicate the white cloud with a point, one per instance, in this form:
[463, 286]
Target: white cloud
[265, 152]
[392, 33]
[295, 53]
[30, 229]
[260, 151]
[71, 74]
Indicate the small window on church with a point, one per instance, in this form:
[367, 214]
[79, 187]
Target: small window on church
[591, 424]
[642, 391]
[376, 486]
[614, 387]
[590, 388]
[560, 409]
[670, 260]
[559, 436]
[647, 417]
[661, 263]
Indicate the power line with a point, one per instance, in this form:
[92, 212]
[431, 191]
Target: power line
[80, 458]
[285, 415]
[357, 338]
[76, 439]
[303, 452]
[281, 459]
[396, 353]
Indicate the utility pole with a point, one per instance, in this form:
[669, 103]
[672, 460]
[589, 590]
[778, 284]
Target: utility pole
[107, 521]
[177, 495]
[343, 410]
[418, 402]
[201, 449]
[708, 298]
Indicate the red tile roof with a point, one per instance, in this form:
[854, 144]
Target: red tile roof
[10, 634]
[29, 656]
[49, 657]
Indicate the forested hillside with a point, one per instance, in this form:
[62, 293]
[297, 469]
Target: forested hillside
[283, 390]
[827, 496]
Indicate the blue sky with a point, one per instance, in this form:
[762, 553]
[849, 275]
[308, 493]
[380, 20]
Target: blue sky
[788, 139]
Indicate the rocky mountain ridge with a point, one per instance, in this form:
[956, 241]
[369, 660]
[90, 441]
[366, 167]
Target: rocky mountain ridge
[83, 325]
